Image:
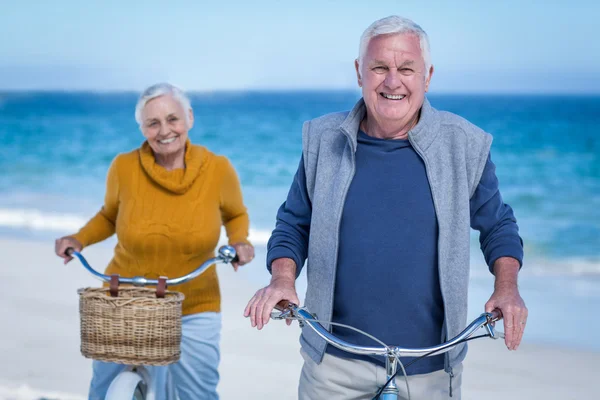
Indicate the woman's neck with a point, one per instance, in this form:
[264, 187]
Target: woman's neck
[171, 161]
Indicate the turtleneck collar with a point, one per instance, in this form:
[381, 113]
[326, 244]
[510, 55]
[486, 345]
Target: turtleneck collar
[179, 180]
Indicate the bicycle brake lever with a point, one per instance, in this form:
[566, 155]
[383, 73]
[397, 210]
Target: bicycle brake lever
[489, 326]
[277, 315]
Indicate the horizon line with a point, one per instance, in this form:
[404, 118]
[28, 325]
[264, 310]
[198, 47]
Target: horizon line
[297, 90]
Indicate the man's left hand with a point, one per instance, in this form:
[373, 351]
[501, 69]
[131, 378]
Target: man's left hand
[507, 299]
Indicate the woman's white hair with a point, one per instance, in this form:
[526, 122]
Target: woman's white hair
[162, 89]
[395, 24]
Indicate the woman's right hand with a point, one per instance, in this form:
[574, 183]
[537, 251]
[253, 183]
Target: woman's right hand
[61, 245]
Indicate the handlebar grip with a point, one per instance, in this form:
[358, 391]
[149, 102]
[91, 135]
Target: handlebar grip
[496, 314]
[282, 305]
[69, 251]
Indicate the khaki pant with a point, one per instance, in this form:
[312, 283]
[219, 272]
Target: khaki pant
[341, 378]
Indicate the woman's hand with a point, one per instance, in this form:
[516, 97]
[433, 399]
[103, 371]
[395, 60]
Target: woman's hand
[61, 245]
[245, 254]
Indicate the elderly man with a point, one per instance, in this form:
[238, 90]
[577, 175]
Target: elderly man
[381, 205]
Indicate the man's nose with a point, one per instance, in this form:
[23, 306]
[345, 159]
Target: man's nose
[393, 80]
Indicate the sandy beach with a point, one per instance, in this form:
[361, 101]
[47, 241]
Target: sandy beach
[39, 346]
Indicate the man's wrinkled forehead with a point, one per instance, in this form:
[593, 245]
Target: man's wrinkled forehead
[398, 48]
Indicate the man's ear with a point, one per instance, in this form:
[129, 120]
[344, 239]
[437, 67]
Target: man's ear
[428, 80]
[358, 78]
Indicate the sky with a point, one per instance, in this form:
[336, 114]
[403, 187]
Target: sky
[509, 46]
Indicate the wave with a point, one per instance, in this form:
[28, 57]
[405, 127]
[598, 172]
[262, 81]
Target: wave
[36, 220]
[543, 265]
[25, 392]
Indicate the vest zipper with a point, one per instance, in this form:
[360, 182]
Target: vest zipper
[435, 205]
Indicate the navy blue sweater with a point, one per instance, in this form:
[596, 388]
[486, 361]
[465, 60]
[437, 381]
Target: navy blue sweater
[387, 280]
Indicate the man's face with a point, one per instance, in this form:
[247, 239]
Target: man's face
[393, 78]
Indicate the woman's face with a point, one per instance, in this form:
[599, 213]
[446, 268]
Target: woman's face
[165, 126]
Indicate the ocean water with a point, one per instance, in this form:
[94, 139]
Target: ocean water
[56, 147]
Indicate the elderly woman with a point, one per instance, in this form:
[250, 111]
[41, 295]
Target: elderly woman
[166, 201]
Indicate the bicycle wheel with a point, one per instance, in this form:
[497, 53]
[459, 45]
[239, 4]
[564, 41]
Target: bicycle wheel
[140, 392]
[127, 386]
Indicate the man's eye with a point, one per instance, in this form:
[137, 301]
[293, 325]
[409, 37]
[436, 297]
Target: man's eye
[173, 119]
[380, 68]
[153, 123]
[406, 70]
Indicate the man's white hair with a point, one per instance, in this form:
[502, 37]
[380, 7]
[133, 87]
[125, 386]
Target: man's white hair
[395, 24]
[162, 89]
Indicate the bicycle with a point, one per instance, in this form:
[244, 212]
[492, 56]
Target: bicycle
[135, 381]
[389, 391]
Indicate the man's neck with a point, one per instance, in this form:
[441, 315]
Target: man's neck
[388, 130]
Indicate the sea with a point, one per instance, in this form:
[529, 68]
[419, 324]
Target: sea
[55, 149]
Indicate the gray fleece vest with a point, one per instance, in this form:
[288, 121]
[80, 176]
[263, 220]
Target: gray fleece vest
[454, 152]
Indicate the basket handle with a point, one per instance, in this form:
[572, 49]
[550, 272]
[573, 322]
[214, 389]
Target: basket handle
[114, 285]
[161, 288]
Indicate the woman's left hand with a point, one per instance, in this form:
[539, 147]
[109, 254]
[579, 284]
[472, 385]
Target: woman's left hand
[245, 254]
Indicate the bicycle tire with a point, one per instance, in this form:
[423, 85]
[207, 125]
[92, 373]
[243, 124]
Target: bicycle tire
[139, 393]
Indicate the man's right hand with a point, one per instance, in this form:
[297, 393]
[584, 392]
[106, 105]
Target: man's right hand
[282, 287]
[61, 245]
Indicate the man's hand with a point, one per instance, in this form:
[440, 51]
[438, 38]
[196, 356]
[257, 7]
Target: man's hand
[507, 299]
[282, 287]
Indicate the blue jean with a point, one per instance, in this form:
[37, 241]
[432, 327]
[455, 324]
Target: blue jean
[194, 376]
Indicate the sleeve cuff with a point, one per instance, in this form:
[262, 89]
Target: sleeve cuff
[234, 240]
[80, 237]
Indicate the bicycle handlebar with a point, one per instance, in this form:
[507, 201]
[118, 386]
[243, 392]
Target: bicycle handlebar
[290, 310]
[226, 255]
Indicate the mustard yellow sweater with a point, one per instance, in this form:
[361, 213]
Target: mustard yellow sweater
[169, 222]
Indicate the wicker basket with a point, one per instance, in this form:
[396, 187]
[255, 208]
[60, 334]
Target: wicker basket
[135, 328]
